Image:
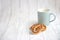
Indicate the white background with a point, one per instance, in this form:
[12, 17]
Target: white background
[16, 16]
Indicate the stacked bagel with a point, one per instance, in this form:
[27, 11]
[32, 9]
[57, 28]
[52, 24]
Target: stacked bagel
[36, 28]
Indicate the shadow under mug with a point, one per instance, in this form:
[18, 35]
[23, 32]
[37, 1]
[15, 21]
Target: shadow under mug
[44, 18]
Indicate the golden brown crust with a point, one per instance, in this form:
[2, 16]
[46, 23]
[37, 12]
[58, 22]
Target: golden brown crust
[36, 28]
[43, 27]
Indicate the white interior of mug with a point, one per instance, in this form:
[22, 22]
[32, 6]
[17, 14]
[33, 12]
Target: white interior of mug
[43, 10]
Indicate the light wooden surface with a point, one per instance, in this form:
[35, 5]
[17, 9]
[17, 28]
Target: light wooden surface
[16, 16]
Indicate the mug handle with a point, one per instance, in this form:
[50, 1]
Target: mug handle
[54, 17]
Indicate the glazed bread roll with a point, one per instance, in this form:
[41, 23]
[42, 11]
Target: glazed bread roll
[43, 27]
[36, 28]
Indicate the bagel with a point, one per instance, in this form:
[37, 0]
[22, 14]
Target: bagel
[43, 28]
[36, 28]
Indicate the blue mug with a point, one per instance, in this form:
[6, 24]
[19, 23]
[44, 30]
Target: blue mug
[44, 18]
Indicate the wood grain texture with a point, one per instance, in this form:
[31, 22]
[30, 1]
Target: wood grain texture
[16, 16]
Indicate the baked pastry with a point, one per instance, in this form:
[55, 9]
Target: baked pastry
[36, 28]
[43, 27]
